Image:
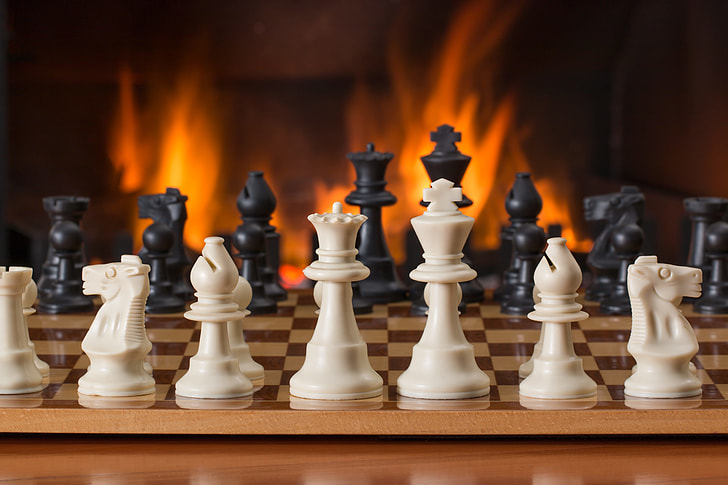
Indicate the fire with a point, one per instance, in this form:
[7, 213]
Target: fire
[174, 141]
[292, 276]
[556, 210]
[326, 196]
[460, 90]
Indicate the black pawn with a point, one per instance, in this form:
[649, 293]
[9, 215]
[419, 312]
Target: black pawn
[360, 303]
[256, 204]
[627, 240]
[249, 240]
[61, 208]
[158, 240]
[528, 243]
[703, 211]
[65, 294]
[523, 205]
[715, 291]
[382, 285]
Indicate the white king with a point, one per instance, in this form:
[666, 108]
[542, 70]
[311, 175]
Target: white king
[443, 362]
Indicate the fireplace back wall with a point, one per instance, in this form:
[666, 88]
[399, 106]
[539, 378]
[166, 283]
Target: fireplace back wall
[607, 93]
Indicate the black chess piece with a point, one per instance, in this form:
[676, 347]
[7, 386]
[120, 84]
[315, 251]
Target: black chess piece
[447, 162]
[703, 211]
[523, 205]
[158, 240]
[249, 240]
[256, 204]
[65, 294]
[715, 291]
[528, 244]
[360, 303]
[170, 209]
[61, 208]
[627, 240]
[609, 210]
[382, 285]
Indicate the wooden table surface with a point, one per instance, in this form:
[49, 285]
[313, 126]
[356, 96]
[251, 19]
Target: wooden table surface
[202, 460]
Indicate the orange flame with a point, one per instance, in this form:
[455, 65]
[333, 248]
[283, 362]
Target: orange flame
[125, 149]
[326, 196]
[460, 90]
[292, 276]
[173, 142]
[556, 210]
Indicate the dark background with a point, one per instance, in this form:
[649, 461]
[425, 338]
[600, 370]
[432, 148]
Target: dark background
[608, 93]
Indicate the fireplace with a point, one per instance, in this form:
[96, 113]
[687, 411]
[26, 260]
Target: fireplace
[115, 99]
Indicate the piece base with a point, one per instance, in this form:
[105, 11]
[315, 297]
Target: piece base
[73, 305]
[443, 372]
[323, 396]
[652, 385]
[93, 391]
[443, 395]
[24, 390]
[662, 395]
[561, 379]
[127, 387]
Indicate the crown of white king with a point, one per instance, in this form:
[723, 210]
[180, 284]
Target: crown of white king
[442, 196]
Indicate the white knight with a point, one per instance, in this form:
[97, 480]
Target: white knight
[116, 342]
[662, 341]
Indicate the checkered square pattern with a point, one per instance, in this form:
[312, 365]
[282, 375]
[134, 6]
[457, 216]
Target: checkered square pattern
[278, 342]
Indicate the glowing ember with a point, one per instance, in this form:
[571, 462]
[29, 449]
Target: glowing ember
[291, 276]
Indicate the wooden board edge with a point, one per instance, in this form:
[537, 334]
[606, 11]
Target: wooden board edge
[379, 422]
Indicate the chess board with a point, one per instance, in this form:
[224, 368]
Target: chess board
[278, 342]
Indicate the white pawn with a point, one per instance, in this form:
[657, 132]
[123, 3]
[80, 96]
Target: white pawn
[337, 365]
[116, 342]
[527, 367]
[558, 373]
[29, 296]
[18, 373]
[443, 362]
[214, 371]
[662, 341]
[242, 294]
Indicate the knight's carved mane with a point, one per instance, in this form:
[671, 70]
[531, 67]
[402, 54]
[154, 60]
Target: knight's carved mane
[654, 291]
[123, 308]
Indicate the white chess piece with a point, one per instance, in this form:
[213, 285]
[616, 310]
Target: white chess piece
[662, 341]
[116, 342]
[18, 373]
[214, 371]
[29, 296]
[527, 367]
[558, 373]
[443, 362]
[242, 294]
[337, 365]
